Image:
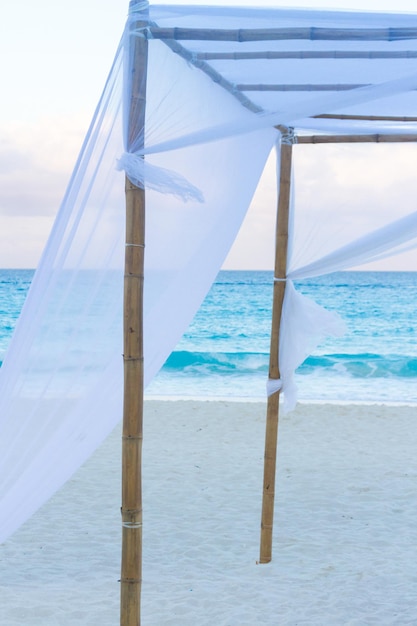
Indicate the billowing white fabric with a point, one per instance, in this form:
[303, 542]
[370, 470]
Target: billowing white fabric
[304, 323]
[204, 144]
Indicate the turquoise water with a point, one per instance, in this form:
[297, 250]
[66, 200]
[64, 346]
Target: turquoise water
[14, 285]
[225, 350]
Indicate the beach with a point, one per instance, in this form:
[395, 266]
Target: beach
[344, 534]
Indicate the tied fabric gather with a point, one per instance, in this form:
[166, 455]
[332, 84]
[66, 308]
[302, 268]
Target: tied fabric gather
[145, 175]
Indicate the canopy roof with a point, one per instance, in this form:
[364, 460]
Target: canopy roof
[300, 64]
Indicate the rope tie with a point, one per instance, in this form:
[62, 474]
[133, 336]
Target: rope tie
[288, 136]
[132, 524]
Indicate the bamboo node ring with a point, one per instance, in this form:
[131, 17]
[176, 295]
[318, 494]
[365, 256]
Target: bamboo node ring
[135, 245]
[132, 358]
[132, 524]
[132, 275]
[131, 581]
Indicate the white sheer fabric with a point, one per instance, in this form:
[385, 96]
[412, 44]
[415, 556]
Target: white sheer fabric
[304, 323]
[207, 133]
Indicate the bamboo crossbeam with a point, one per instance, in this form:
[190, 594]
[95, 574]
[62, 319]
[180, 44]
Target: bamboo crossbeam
[365, 118]
[213, 74]
[375, 138]
[300, 87]
[307, 54]
[271, 433]
[282, 34]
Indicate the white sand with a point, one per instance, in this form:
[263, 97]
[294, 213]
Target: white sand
[345, 539]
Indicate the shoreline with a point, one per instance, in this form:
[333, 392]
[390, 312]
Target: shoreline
[255, 400]
[344, 530]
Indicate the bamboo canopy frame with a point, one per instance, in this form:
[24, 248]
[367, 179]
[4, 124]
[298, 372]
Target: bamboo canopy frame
[133, 339]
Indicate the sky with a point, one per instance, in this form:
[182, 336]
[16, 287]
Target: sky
[54, 59]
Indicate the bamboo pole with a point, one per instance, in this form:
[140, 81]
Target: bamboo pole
[271, 434]
[131, 567]
[131, 562]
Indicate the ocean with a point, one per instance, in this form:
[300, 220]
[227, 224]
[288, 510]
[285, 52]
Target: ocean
[224, 352]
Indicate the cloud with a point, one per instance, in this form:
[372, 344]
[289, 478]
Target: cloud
[36, 161]
[22, 240]
[350, 189]
[35, 166]
[33, 192]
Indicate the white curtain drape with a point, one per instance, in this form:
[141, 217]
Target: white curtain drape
[205, 143]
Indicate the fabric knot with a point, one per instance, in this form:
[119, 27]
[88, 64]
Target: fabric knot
[273, 385]
[145, 175]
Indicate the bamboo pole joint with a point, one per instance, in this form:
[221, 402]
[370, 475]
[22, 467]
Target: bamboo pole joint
[288, 137]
